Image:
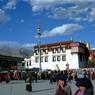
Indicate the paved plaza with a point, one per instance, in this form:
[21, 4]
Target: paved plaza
[41, 88]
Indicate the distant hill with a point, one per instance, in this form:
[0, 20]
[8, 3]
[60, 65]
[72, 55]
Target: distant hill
[25, 52]
[16, 52]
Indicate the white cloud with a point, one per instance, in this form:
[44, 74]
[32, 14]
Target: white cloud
[3, 17]
[9, 43]
[39, 5]
[14, 44]
[63, 13]
[28, 45]
[22, 21]
[62, 30]
[77, 11]
[10, 5]
[91, 16]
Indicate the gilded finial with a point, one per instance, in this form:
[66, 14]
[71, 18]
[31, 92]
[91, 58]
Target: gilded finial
[88, 45]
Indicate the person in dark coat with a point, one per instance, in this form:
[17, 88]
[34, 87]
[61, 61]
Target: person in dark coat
[85, 87]
[62, 87]
[29, 83]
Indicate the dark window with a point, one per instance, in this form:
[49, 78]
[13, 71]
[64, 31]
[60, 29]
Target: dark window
[58, 58]
[63, 49]
[54, 58]
[27, 64]
[41, 51]
[41, 59]
[36, 52]
[58, 50]
[37, 59]
[63, 57]
[46, 51]
[30, 62]
[46, 59]
[54, 50]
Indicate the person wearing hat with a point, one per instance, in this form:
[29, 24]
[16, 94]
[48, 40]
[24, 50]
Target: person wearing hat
[85, 87]
[62, 87]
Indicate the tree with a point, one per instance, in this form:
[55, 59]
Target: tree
[91, 63]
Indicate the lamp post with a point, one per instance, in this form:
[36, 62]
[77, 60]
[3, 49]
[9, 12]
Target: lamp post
[39, 46]
[67, 68]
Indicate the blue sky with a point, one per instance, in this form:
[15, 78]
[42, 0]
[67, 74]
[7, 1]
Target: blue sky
[59, 21]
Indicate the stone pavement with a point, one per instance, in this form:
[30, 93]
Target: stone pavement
[41, 88]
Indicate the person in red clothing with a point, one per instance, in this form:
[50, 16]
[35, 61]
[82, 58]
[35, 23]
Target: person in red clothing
[7, 77]
[16, 75]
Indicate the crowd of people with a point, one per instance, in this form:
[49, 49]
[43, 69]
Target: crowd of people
[84, 85]
[62, 78]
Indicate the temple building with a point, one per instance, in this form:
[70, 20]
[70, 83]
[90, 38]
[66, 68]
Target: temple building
[73, 55]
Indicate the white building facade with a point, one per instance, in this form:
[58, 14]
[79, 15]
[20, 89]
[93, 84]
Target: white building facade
[62, 54]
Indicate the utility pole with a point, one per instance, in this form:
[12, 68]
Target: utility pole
[39, 46]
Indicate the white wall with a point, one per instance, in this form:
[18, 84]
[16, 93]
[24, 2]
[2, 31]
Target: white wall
[71, 59]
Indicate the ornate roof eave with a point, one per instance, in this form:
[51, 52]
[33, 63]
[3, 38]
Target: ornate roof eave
[54, 44]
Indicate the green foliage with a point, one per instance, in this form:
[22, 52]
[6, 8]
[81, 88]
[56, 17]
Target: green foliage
[91, 63]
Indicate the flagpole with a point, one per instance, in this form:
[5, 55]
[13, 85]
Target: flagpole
[39, 46]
